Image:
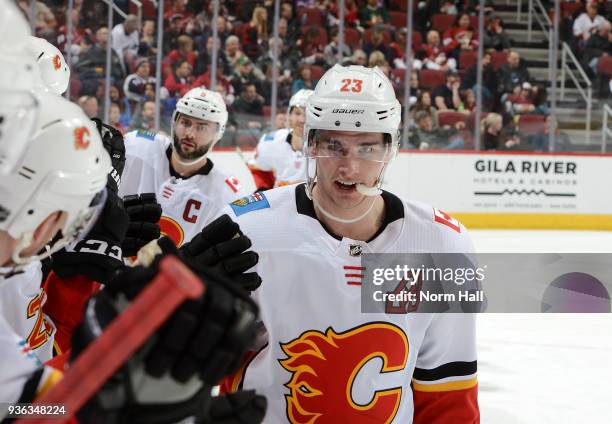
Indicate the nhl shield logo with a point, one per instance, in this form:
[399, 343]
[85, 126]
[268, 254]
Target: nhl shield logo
[355, 250]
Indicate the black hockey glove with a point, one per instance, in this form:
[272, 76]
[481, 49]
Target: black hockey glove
[243, 407]
[144, 213]
[98, 255]
[170, 377]
[223, 247]
[112, 139]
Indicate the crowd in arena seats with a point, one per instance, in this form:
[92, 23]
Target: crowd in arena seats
[444, 59]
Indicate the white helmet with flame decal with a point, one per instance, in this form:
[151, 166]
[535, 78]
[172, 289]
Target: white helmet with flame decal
[64, 168]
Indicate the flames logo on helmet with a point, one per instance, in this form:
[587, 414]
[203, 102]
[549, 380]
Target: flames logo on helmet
[81, 138]
[324, 366]
[57, 62]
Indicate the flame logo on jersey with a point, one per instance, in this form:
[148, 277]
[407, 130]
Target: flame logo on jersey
[57, 62]
[324, 367]
[81, 138]
[169, 227]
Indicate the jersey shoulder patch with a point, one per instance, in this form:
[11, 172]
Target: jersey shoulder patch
[253, 202]
[148, 135]
[268, 137]
[443, 218]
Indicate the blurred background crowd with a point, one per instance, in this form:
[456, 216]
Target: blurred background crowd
[516, 106]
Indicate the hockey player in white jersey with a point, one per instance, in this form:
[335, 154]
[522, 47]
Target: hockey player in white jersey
[322, 359]
[189, 187]
[278, 159]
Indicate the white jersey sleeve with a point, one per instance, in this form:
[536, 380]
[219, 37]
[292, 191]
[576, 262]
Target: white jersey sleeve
[263, 158]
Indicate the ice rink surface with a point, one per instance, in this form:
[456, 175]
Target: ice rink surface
[544, 368]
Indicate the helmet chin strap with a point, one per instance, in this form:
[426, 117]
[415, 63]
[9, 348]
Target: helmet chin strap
[342, 220]
[368, 191]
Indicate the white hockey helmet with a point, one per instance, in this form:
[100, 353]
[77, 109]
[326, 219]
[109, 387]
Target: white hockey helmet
[53, 69]
[14, 29]
[64, 168]
[18, 108]
[357, 99]
[300, 98]
[200, 103]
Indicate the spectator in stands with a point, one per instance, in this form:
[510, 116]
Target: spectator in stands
[359, 58]
[448, 7]
[180, 79]
[495, 37]
[517, 104]
[332, 49]
[134, 84]
[144, 116]
[205, 59]
[461, 36]
[493, 138]
[148, 41]
[425, 136]
[468, 102]
[304, 80]
[372, 14]
[247, 110]
[540, 140]
[92, 59]
[183, 52]
[398, 46]
[512, 74]
[598, 45]
[423, 103]
[125, 40]
[89, 104]
[446, 97]
[377, 43]
[114, 116]
[78, 35]
[45, 22]
[171, 34]
[436, 55]
[232, 51]
[587, 23]
[246, 73]
[178, 8]
[255, 34]
[351, 14]
[489, 81]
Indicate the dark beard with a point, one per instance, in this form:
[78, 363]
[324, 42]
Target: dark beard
[196, 154]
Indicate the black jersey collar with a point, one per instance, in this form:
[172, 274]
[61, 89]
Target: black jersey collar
[394, 210]
[204, 170]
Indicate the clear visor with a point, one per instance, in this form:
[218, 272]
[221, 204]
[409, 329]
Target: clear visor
[82, 224]
[18, 116]
[374, 147]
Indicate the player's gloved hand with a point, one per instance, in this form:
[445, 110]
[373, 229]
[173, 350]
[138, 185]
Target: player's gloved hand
[144, 213]
[170, 377]
[243, 407]
[99, 254]
[112, 140]
[223, 247]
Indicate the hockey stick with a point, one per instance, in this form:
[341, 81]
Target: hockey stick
[128, 331]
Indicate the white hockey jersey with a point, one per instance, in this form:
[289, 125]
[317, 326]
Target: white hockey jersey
[187, 204]
[327, 362]
[275, 154]
[21, 305]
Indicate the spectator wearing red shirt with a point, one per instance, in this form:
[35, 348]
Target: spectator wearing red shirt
[461, 36]
[180, 80]
[436, 55]
[184, 51]
[178, 7]
[255, 33]
[351, 14]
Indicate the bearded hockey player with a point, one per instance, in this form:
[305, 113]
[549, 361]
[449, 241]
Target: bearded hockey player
[189, 187]
[278, 158]
[324, 360]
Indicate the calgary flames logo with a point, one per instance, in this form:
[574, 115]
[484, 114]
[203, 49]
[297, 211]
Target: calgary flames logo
[169, 227]
[81, 138]
[57, 63]
[324, 367]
